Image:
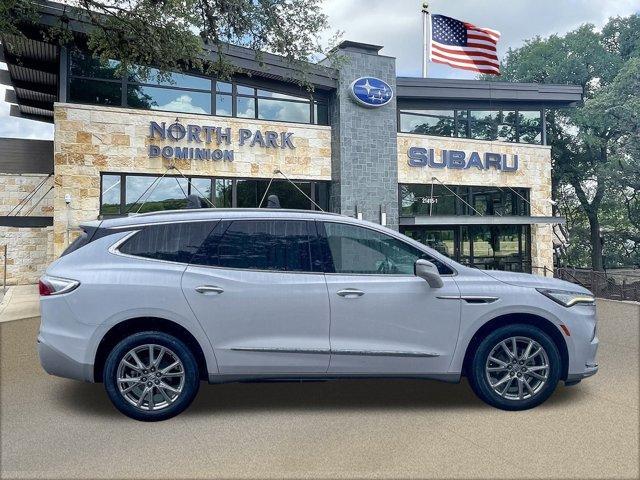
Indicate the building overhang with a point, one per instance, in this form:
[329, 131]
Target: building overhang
[451, 93]
[480, 220]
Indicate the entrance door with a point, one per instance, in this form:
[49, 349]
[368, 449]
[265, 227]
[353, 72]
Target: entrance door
[256, 293]
[384, 319]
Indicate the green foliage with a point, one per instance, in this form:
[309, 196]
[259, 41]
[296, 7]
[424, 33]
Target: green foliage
[172, 35]
[596, 146]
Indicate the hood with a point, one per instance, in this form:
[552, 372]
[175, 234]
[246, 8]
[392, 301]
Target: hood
[534, 281]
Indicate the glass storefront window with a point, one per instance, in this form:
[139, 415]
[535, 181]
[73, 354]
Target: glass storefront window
[95, 92]
[223, 193]
[143, 195]
[170, 192]
[483, 125]
[92, 81]
[496, 247]
[418, 200]
[84, 64]
[281, 110]
[224, 105]
[180, 80]
[110, 197]
[529, 127]
[246, 107]
[321, 113]
[428, 122]
[157, 98]
[503, 125]
[202, 188]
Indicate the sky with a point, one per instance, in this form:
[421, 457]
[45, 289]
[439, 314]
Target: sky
[397, 25]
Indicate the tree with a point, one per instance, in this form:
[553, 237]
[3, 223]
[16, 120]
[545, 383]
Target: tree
[594, 146]
[172, 35]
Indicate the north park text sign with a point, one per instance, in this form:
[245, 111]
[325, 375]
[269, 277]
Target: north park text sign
[457, 159]
[201, 135]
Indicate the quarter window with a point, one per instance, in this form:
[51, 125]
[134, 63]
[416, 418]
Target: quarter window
[359, 250]
[176, 242]
[279, 245]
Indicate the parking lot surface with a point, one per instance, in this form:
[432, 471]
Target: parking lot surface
[56, 428]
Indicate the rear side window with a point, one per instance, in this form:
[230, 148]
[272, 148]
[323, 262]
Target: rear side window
[281, 245]
[174, 242]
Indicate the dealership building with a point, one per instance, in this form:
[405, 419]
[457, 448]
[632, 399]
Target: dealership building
[460, 165]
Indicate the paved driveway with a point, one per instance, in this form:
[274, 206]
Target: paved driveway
[52, 427]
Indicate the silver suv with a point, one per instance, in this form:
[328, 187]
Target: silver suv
[153, 304]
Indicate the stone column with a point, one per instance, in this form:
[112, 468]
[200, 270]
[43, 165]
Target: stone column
[363, 140]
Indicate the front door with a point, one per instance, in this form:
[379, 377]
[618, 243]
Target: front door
[384, 319]
[259, 296]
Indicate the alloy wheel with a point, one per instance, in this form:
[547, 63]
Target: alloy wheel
[517, 368]
[150, 377]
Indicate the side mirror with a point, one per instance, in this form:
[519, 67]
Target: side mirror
[427, 270]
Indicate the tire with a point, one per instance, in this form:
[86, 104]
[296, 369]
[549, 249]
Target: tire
[156, 391]
[523, 389]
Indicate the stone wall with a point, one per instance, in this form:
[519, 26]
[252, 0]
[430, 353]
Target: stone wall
[364, 143]
[92, 139]
[534, 173]
[29, 250]
[14, 188]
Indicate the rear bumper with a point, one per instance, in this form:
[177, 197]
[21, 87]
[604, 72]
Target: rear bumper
[57, 363]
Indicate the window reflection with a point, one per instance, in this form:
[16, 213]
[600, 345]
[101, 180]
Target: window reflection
[283, 111]
[110, 198]
[85, 65]
[530, 129]
[148, 194]
[152, 75]
[223, 192]
[95, 92]
[156, 98]
[420, 199]
[245, 107]
[429, 122]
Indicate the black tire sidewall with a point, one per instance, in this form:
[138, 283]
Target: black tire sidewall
[191, 382]
[480, 384]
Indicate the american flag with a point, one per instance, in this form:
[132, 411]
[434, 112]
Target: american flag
[463, 45]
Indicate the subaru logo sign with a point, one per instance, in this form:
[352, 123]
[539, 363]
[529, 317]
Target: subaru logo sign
[371, 92]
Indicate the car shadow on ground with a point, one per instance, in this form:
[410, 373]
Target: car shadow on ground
[342, 395]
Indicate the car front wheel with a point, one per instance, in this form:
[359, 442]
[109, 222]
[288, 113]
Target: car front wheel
[515, 367]
[151, 376]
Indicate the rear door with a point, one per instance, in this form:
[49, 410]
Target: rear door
[261, 297]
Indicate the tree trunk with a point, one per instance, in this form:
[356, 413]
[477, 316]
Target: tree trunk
[596, 246]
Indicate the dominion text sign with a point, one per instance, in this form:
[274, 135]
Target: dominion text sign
[200, 135]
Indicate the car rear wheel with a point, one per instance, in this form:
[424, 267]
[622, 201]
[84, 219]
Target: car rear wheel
[515, 367]
[151, 376]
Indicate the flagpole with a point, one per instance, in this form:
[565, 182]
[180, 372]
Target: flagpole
[426, 37]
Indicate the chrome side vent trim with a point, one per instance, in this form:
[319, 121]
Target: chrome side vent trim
[473, 299]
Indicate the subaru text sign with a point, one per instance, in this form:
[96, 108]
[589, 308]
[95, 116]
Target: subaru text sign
[371, 92]
[457, 159]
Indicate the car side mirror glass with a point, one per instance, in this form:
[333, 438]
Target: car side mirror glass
[427, 270]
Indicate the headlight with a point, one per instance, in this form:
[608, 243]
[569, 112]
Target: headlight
[567, 298]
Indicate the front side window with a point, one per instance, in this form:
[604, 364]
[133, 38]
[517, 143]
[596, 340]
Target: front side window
[279, 245]
[176, 242]
[359, 250]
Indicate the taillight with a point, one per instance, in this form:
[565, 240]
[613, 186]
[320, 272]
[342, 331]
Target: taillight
[48, 285]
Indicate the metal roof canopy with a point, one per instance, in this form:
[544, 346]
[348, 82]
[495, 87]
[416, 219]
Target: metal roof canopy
[21, 155]
[469, 93]
[480, 220]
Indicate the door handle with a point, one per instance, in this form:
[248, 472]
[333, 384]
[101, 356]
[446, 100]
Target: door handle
[350, 293]
[205, 289]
